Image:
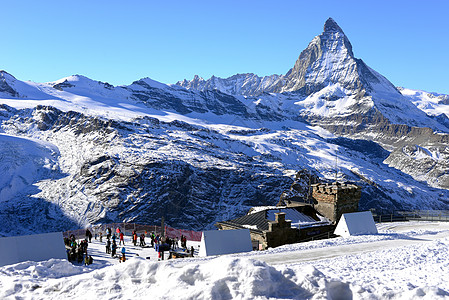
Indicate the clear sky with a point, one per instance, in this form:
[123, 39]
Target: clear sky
[122, 41]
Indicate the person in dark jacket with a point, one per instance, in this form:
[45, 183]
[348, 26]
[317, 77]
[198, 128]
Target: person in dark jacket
[108, 246]
[142, 240]
[113, 249]
[88, 235]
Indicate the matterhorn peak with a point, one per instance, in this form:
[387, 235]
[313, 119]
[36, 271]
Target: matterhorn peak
[332, 26]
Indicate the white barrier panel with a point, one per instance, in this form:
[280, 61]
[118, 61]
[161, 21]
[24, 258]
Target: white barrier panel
[356, 224]
[218, 242]
[35, 247]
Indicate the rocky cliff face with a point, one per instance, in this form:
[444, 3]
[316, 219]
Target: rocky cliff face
[240, 84]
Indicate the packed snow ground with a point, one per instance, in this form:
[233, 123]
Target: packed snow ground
[407, 260]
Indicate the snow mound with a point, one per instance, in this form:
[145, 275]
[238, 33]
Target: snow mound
[52, 268]
[221, 278]
[235, 278]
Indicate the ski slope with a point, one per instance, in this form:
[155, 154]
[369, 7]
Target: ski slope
[404, 261]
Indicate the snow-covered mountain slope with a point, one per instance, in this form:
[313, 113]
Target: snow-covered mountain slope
[24, 162]
[195, 175]
[433, 104]
[147, 150]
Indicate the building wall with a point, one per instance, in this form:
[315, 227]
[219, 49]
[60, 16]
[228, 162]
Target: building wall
[334, 200]
[255, 236]
[280, 232]
[36, 247]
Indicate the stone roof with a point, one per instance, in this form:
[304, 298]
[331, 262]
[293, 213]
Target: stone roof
[261, 218]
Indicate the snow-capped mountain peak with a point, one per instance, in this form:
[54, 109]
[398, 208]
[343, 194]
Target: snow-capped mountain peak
[7, 85]
[327, 60]
[331, 26]
[79, 81]
[149, 83]
[74, 78]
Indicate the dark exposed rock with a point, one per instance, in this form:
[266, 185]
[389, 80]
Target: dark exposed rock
[65, 84]
[5, 87]
[331, 26]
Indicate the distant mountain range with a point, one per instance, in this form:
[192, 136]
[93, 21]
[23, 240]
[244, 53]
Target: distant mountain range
[77, 151]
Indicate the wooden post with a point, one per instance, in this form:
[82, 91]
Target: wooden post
[162, 226]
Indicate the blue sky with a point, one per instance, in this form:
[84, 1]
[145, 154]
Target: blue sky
[122, 41]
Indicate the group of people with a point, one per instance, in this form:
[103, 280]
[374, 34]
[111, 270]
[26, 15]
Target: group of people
[77, 252]
[111, 243]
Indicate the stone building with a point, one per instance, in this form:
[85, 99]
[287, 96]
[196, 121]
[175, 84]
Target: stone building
[276, 226]
[333, 200]
[293, 220]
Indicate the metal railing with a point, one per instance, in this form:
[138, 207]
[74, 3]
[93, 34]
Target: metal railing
[126, 228]
[321, 236]
[413, 215]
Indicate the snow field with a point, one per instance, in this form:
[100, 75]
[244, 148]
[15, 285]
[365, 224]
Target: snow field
[407, 260]
[22, 162]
